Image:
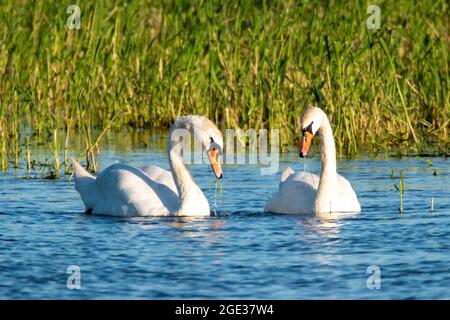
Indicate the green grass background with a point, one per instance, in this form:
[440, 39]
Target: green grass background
[247, 64]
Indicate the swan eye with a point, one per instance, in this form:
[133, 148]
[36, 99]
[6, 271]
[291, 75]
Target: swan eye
[308, 129]
[211, 139]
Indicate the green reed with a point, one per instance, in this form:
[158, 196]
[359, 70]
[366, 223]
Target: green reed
[28, 155]
[3, 151]
[402, 189]
[246, 64]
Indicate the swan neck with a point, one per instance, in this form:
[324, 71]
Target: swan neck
[328, 176]
[327, 150]
[192, 199]
[180, 173]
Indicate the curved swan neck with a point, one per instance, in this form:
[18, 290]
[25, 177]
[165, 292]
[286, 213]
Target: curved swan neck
[328, 175]
[191, 196]
[327, 149]
[181, 175]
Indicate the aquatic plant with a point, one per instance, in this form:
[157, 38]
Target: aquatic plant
[247, 64]
[401, 190]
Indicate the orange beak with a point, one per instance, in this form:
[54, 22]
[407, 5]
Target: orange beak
[217, 168]
[305, 144]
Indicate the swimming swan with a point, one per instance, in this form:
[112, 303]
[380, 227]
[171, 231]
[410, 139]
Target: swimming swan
[304, 192]
[122, 190]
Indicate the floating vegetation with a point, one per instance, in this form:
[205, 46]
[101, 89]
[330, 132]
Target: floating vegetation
[218, 193]
[428, 162]
[221, 198]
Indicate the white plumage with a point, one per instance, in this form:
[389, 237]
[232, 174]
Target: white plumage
[305, 192]
[122, 190]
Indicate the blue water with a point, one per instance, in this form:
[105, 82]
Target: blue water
[242, 252]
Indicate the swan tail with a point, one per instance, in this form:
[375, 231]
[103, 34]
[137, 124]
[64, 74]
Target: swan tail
[79, 170]
[86, 186]
[286, 173]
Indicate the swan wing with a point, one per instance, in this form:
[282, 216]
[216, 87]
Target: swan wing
[296, 194]
[348, 201]
[121, 190]
[128, 191]
[161, 176]
[304, 177]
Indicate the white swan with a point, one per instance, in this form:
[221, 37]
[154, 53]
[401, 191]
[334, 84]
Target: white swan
[121, 190]
[304, 192]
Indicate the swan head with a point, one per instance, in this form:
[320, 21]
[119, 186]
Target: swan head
[209, 136]
[310, 122]
[212, 141]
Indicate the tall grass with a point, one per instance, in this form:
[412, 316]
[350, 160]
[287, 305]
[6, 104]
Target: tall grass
[248, 64]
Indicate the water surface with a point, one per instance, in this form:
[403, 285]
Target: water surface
[240, 253]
